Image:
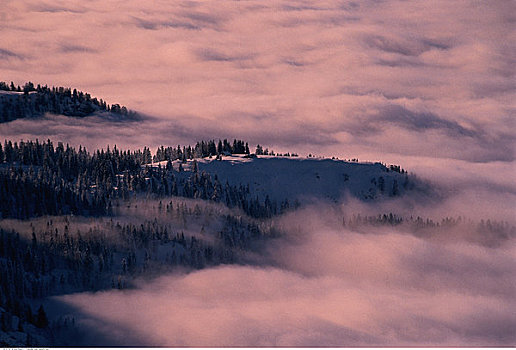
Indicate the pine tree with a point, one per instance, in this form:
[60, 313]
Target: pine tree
[41, 318]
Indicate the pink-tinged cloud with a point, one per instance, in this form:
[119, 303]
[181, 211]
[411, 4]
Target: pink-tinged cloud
[429, 85]
[387, 79]
[333, 289]
[324, 284]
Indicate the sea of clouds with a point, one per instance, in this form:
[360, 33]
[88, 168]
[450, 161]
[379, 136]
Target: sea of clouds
[372, 78]
[428, 85]
[325, 284]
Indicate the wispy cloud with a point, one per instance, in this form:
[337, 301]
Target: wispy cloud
[421, 122]
[331, 286]
[7, 54]
[68, 48]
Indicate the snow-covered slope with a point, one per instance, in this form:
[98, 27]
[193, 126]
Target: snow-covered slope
[302, 179]
[61, 101]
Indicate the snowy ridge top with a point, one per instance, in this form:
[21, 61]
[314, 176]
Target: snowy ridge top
[297, 178]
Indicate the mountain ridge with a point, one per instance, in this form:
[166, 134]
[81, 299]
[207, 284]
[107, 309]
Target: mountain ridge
[35, 101]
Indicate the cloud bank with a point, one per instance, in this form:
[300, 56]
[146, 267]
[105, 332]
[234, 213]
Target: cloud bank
[382, 79]
[325, 283]
[429, 85]
[330, 287]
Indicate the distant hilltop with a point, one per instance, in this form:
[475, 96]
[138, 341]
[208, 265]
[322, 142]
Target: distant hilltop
[39, 179]
[32, 101]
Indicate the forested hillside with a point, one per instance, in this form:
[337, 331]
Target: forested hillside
[40, 179]
[72, 220]
[32, 101]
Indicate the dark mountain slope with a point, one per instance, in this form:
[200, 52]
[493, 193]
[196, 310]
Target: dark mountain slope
[34, 102]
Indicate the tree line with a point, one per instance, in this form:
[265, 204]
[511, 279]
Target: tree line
[58, 255]
[31, 101]
[40, 179]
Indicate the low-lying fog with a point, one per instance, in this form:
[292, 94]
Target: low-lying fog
[428, 85]
[328, 281]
